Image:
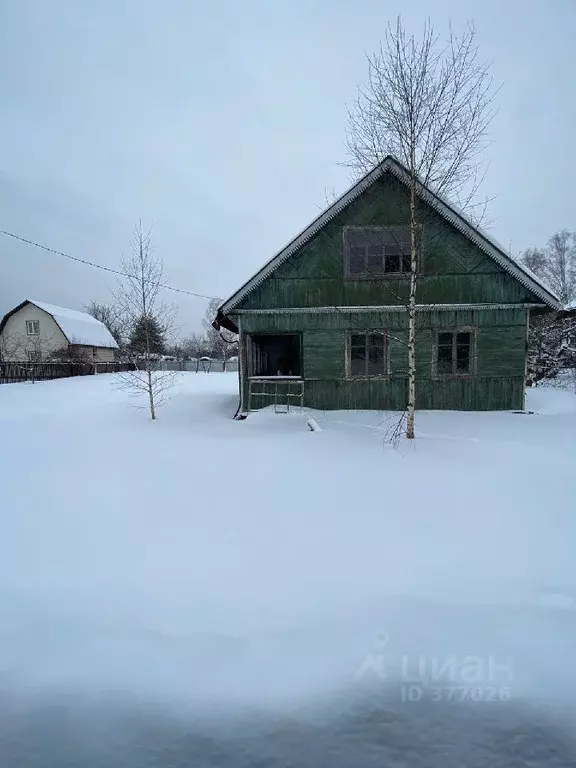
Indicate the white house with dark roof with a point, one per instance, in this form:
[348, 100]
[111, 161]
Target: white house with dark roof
[34, 331]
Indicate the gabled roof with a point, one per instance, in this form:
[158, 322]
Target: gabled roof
[456, 218]
[77, 327]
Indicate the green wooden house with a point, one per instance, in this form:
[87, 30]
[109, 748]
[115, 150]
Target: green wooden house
[324, 322]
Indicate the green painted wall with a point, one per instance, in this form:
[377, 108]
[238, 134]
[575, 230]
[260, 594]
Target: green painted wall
[500, 354]
[452, 271]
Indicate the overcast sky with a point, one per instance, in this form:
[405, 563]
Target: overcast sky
[222, 123]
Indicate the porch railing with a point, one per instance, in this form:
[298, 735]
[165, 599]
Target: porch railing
[283, 392]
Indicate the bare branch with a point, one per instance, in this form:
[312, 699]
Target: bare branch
[150, 320]
[429, 105]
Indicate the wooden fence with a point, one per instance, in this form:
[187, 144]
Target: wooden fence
[13, 372]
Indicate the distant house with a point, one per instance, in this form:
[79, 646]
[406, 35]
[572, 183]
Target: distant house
[35, 331]
[325, 320]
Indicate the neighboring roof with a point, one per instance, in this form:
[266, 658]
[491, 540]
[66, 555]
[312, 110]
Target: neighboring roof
[446, 210]
[77, 327]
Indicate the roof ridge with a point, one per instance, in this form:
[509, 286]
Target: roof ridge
[78, 312]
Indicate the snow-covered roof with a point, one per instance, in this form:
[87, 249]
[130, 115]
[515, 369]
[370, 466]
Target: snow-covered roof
[78, 327]
[445, 209]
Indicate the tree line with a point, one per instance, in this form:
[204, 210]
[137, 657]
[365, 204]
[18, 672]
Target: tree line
[132, 334]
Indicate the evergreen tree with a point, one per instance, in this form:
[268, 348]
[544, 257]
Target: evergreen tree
[147, 326]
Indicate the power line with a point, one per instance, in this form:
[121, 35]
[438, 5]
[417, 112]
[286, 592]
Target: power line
[98, 266]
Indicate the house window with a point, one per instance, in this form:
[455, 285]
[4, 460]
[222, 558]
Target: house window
[368, 354]
[33, 357]
[33, 327]
[272, 355]
[376, 252]
[454, 353]
[94, 352]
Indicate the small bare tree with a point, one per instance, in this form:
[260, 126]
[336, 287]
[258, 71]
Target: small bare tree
[138, 299]
[22, 348]
[71, 353]
[428, 104]
[195, 345]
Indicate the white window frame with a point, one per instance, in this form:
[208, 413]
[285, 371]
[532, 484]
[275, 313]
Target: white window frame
[34, 356]
[33, 327]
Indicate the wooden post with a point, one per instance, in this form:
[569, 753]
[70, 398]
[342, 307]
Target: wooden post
[242, 367]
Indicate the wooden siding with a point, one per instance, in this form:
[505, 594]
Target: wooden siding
[451, 288]
[486, 393]
[294, 322]
[453, 269]
[323, 353]
[500, 353]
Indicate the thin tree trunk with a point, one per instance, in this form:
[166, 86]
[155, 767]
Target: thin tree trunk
[151, 394]
[412, 315]
[428, 104]
[146, 327]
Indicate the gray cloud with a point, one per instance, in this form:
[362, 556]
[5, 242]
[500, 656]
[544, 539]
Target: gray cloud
[223, 124]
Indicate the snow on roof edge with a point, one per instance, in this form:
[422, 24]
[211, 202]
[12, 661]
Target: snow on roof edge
[78, 327]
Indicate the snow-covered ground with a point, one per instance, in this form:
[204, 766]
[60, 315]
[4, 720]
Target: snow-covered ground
[205, 567]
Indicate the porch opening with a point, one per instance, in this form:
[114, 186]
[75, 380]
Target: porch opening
[272, 355]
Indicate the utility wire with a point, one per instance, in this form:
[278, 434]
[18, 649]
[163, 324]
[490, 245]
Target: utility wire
[98, 266]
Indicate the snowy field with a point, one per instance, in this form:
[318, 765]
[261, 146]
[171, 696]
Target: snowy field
[204, 592]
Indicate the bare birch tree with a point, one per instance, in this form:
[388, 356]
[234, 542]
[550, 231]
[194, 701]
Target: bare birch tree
[138, 298]
[556, 264]
[427, 103]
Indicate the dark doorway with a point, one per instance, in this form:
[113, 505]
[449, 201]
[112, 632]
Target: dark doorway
[275, 355]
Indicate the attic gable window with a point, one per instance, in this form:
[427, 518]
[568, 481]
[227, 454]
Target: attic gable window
[376, 252]
[33, 327]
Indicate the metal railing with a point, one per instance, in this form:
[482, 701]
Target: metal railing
[282, 392]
